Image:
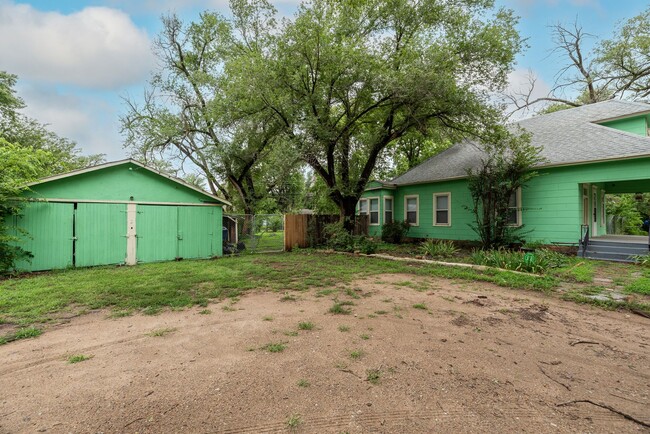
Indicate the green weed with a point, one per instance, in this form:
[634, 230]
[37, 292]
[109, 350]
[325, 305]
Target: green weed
[306, 326]
[274, 347]
[78, 358]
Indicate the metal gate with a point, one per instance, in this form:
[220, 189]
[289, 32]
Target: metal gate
[253, 232]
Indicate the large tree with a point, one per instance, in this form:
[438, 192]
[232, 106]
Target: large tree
[187, 118]
[618, 67]
[345, 79]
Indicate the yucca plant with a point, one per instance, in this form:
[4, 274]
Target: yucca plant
[438, 249]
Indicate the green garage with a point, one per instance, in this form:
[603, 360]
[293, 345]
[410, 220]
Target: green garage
[117, 213]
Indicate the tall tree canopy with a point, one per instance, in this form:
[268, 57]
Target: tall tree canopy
[343, 80]
[618, 67]
[186, 116]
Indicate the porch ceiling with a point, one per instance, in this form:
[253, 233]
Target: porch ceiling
[634, 186]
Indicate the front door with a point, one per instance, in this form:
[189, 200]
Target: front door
[594, 207]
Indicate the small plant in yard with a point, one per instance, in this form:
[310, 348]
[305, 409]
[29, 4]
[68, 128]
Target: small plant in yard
[24, 333]
[152, 310]
[394, 232]
[356, 354]
[205, 312]
[306, 326]
[120, 313]
[161, 332]
[351, 293]
[344, 328]
[438, 249]
[267, 318]
[339, 309]
[643, 260]
[381, 312]
[288, 297]
[76, 358]
[274, 347]
[228, 308]
[303, 383]
[293, 421]
[373, 376]
[365, 337]
[291, 333]
[420, 306]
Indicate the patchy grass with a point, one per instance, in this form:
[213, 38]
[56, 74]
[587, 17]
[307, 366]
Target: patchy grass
[421, 306]
[365, 337]
[303, 383]
[306, 326]
[22, 333]
[356, 354]
[344, 328]
[274, 347]
[293, 421]
[149, 288]
[639, 286]
[267, 318]
[339, 309]
[205, 312]
[158, 333]
[76, 358]
[373, 376]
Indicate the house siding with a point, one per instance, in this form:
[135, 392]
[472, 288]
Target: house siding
[551, 202]
[636, 125]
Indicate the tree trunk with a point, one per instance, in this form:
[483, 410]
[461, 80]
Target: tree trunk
[347, 207]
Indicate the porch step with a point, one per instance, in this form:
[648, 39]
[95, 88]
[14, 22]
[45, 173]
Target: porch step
[613, 251]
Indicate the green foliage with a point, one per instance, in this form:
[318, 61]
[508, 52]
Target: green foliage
[529, 262]
[643, 260]
[22, 333]
[339, 239]
[639, 286]
[76, 358]
[344, 80]
[438, 249]
[274, 347]
[624, 210]
[395, 231]
[507, 166]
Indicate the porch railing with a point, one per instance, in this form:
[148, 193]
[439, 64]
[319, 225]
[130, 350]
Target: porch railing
[584, 238]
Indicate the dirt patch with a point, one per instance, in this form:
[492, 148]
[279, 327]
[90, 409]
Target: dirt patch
[457, 362]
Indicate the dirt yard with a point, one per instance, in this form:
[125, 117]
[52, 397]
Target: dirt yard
[414, 355]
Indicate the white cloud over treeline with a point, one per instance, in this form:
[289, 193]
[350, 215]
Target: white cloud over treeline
[96, 47]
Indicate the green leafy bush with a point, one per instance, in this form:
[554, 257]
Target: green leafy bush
[530, 262]
[394, 232]
[341, 240]
[338, 238]
[438, 249]
[365, 245]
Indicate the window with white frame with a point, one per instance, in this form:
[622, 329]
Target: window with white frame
[374, 210]
[363, 206]
[388, 209]
[514, 209]
[442, 209]
[411, 210]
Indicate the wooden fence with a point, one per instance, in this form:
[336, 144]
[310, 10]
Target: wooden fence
[308, 230]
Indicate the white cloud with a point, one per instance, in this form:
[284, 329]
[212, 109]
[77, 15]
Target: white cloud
[91, 120]
[519, 83]
[96, 47]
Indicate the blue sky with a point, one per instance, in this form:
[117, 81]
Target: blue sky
[76, 58]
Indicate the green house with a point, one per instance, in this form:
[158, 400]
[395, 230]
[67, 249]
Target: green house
[590, 151]
[116, 213]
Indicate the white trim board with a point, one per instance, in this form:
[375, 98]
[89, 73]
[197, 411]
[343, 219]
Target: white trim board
[56, 200]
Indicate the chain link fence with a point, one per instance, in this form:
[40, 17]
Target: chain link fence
[253, 233]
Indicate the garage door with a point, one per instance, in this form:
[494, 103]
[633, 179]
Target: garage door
[157, 233]
[100, 231]
[49, 235]
[197, 227]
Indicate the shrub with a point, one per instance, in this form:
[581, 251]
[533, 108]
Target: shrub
[438, 249]
[338, 238]
[394, 232]
[519, 261]
[365, 245]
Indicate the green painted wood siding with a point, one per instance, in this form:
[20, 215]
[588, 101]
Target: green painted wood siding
[100, 232]
[49, 235]
[157, 233]
[118, 183]
[636, 125]
[169, 232]
[551, 203]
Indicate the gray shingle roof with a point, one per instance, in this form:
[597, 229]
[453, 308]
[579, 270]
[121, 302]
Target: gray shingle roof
[566, 137]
